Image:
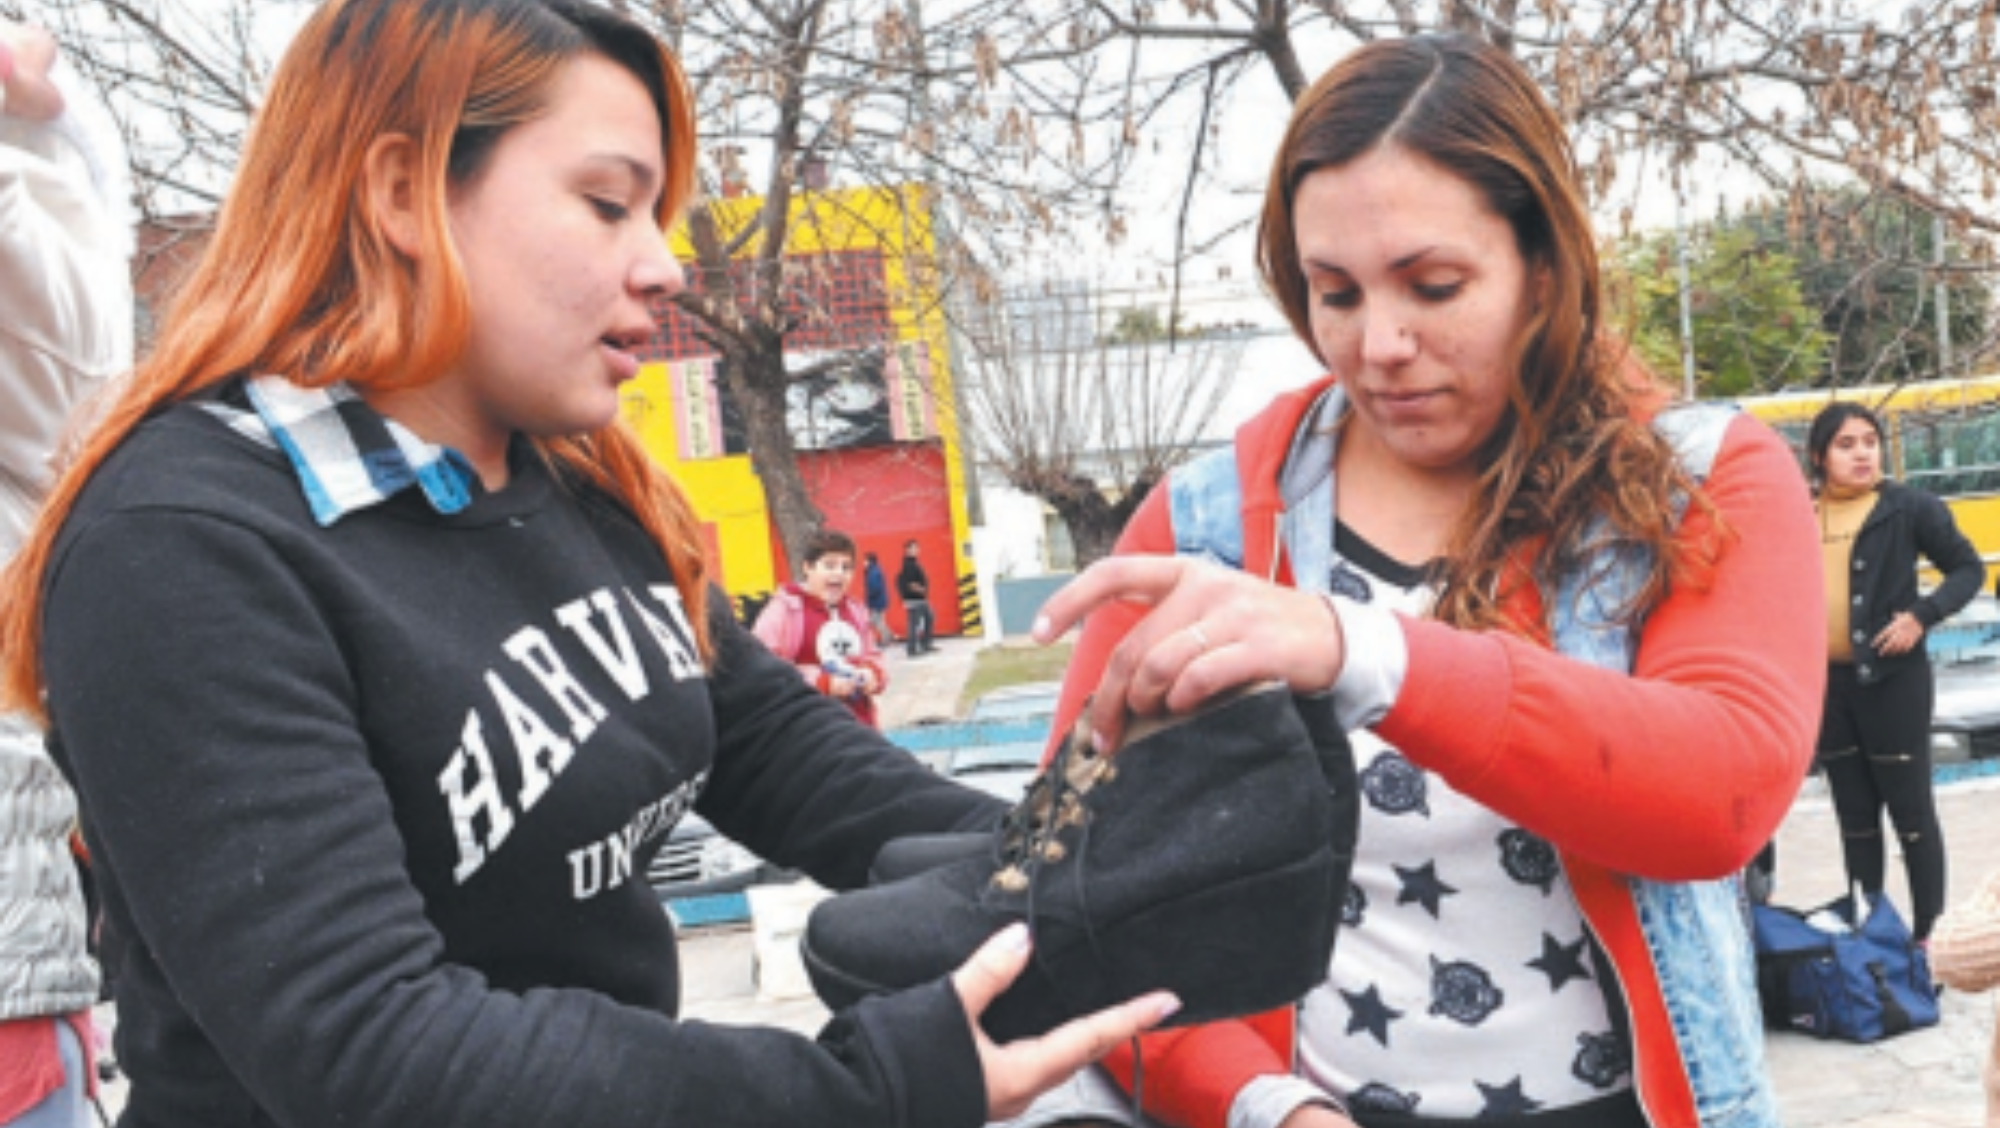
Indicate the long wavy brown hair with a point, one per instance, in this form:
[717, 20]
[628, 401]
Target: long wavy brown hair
[302, 281]
[1575, 444]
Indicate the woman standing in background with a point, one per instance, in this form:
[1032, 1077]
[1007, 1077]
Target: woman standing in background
[1874, 737]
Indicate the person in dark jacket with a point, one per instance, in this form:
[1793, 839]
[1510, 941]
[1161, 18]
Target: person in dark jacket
[914, 589]
[1874, 740]
[875, 587]
[384, 660]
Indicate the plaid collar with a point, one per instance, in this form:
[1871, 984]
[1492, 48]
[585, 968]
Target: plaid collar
[348, 456]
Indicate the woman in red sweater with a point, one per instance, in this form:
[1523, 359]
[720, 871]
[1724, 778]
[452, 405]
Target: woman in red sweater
[1577, 633]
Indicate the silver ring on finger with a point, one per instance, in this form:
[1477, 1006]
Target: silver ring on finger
[1199, 636]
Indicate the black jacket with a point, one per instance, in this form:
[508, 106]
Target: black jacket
[911, 583]
[1882, 574]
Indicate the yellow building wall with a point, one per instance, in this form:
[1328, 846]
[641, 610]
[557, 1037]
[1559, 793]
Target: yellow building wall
[726, 491]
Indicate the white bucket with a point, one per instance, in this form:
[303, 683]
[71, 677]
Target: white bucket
[777, 920]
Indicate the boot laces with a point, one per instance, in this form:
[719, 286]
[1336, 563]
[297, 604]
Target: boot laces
[1054, 801]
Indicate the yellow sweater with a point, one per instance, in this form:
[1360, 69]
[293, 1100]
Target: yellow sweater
[1840, 519]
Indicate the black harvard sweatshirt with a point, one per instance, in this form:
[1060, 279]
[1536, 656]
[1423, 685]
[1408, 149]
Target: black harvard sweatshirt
[373, 804]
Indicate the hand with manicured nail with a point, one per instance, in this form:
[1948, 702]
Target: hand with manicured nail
[1018, 1072]
[1205, 630]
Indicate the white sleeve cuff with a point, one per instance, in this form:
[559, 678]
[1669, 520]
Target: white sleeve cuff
[1266, 1101]
[1377, 659]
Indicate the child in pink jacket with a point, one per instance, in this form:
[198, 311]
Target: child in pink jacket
[817, 625]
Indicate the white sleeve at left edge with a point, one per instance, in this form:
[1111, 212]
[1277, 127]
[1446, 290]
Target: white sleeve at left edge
[65, 285]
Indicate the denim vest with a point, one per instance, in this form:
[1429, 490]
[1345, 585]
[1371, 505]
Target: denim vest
[1694, 931]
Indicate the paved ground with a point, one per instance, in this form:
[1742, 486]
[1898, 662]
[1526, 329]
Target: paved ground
[926, 687]
[1928, 1079]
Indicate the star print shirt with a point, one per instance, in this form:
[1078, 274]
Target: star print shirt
[1463, 985]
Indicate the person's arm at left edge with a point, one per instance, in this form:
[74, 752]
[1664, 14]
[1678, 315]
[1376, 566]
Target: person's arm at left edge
[801, 782]
[64, 280]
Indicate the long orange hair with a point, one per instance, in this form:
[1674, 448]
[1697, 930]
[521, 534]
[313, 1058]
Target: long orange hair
[301, 280]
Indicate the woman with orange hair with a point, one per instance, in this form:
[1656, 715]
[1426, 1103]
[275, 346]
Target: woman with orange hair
[1577, 629]
[383, 660]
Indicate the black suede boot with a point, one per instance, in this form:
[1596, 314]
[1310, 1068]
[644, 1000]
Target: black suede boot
[1208, 857]
[921, 853]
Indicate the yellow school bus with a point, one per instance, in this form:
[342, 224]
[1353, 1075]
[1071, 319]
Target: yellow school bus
[1944, 436]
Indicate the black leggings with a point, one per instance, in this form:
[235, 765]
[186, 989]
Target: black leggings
[1875, 745]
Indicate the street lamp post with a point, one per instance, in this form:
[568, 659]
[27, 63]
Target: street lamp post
[1943, 297]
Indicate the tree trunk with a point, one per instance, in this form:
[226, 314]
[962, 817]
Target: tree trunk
[753, 349]
[757, 381]
[754, 332]
[1093, 522]
[1092, 529]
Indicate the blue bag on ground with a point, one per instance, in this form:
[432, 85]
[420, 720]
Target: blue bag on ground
[1863, 984]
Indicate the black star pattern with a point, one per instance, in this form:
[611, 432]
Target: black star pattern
[1350, 583]
[1422, 886]
[1463, 992]
[1505, 1100]
[1377, 1097]
[1394, 786]
[1601, 1059]
[1527, 859]
[1367, 1011]
[1560, 962]
[1353, 907]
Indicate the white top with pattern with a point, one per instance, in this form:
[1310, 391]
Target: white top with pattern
[1462, 984]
